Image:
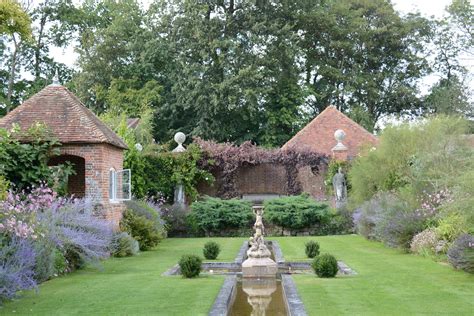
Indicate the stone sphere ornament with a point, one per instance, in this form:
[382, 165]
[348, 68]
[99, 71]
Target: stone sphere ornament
[180, 138]
[339, 135]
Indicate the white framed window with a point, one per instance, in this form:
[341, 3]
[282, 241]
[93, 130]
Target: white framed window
[120, 187]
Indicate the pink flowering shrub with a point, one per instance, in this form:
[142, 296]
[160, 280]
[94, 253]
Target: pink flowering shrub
[424, 242]
[18, 211]
[431, 203]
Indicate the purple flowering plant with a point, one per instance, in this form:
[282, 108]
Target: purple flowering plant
[41, 217]
[17, 261]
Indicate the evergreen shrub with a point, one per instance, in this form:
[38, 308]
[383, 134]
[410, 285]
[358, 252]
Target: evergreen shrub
[211, 250]
[312, 249]
[190, 266]
[325, 266]
[141, 229]
[214, 216]
[296, 212]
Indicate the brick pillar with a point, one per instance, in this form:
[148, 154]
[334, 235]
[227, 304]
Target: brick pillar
[339, 154]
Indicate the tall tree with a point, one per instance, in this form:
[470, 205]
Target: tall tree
[361, 53]
[16, 25]
[452, 38]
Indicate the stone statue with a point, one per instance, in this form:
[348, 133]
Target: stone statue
[258, 249]
[340, 186]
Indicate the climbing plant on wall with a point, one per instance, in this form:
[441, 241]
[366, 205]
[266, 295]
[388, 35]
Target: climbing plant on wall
[227, 158]
[25, 163]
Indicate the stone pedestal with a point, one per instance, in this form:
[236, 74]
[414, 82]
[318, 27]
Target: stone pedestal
[259, 268]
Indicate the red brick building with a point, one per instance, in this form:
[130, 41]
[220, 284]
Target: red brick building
[95, 150]
[318, 135]
[269, 180]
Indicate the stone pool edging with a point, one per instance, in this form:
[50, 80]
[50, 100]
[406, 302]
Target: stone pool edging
[242, 253]
[294, 305]
[225, 297]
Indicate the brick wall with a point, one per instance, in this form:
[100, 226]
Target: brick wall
[269, 179]
[313, 184]
[261, 179]
[99, 159]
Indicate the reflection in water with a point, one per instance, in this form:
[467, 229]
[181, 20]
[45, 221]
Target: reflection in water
[259, 297]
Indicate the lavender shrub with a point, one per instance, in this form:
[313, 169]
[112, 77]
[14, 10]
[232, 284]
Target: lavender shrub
[78, 233]
[461, 253]
[368, 215]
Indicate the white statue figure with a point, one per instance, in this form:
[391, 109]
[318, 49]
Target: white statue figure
[340, 186]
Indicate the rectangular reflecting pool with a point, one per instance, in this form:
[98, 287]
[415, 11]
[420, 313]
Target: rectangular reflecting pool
[259, 297]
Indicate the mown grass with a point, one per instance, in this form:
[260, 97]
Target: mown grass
[388, 282]
[130, 286]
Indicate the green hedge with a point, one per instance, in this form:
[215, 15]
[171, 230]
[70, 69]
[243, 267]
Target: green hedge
[296, 212]
[214, 216]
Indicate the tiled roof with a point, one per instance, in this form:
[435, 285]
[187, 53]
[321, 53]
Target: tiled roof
[132, 123]
[69, 120]
[318, 135]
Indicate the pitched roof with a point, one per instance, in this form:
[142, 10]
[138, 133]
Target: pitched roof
[318, 135]
[69, 120]
[132, 123]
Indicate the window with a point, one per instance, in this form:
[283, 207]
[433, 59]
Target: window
[120, 188]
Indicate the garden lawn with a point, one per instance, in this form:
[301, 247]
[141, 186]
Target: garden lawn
[131, 286]
[388, 282]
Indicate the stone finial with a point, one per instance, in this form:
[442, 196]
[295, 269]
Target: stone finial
[56, 79]
[339, 135]
[340, 150]
[179, 138]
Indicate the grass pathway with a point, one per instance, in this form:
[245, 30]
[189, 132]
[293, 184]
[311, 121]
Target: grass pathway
[389, 282]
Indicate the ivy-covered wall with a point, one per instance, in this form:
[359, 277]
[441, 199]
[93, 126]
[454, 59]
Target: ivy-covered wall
[249, 169]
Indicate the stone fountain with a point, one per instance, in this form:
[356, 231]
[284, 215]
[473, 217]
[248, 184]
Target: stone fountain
[258, 263]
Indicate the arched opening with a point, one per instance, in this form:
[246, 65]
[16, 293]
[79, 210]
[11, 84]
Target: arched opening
[76, 184]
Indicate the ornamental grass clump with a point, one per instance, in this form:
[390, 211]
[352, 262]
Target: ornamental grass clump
[325, 266]
[312, 249]
[190, 266]
[211, 250]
